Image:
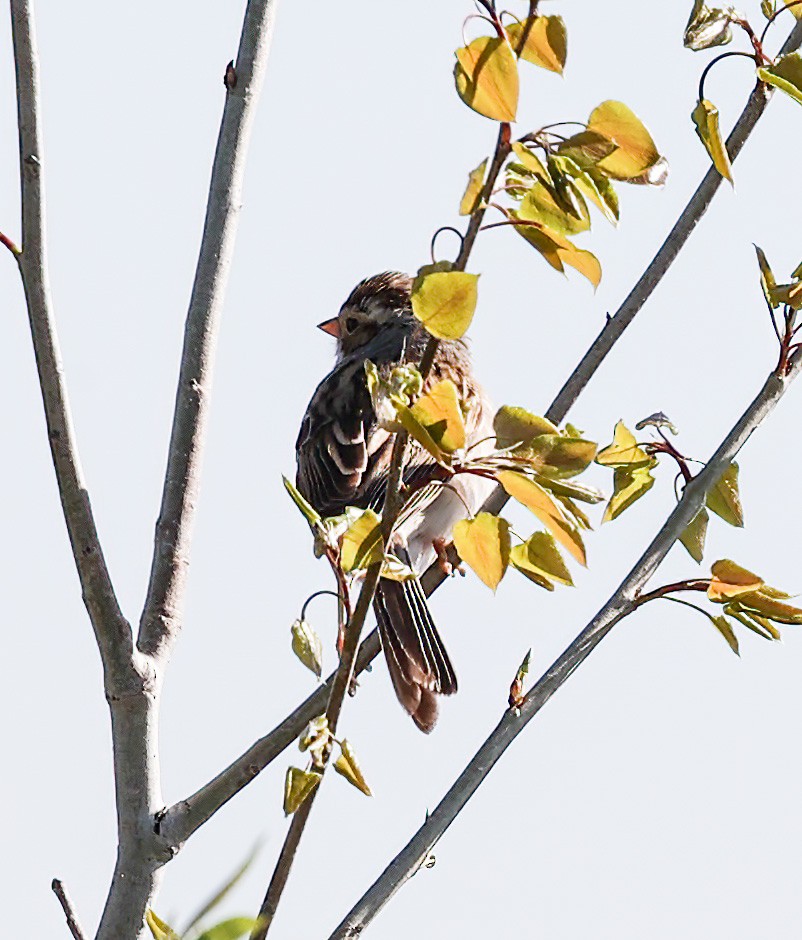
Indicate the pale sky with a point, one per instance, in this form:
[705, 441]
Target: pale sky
[658, 794]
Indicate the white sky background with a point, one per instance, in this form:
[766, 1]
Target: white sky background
[658, 794]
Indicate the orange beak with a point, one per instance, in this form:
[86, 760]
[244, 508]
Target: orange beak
[332, 327]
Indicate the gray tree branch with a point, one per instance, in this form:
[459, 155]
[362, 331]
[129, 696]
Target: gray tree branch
[412, 856]
[112, 632]
[161, 617]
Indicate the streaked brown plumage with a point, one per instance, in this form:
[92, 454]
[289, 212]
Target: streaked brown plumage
[343, 460]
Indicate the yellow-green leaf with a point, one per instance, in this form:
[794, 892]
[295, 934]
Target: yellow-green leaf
[362, 543]
[629, 484]
[705, 117]
[486, 76]
[724, 499]
[636, 150]
[624, 451]
[546, 41]
[395, 570]
[766, 606]
[725, 629]
[439, 411]
[757, 624]
[587, 148]
[231, 929]
[484, 544]
[730, 579]
[307, 646]
[565, 489]
[554, 455]
[347, 766]
[531, 162]
[310, 514]
[785, 74]
[559, 251]
[416, 430]
[767, 279]
[797, 10]
[540, 559]
[159, 929]
[708, 27]
[693, 538]
[476, 181]
[517, 426]
[541, 204]
[532, 495]
[298, 784]
[445, 301]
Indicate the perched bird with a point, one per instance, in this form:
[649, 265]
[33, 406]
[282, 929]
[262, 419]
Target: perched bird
[344, 457]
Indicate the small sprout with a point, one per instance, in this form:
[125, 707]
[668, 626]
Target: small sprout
[517, 688]
[347, 766]
[316, 738]
[658, 420]
[298, 785]
[307, 646]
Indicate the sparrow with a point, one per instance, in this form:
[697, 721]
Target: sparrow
[344, 454]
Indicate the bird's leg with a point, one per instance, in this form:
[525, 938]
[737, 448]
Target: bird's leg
[441, 547]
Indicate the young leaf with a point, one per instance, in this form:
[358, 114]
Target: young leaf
[785, 74]
[395, 570]
[516, 696]
[517, 426]
[310, 514]
[298, 784]
[624, 451]
[362, 542]
[546, 42]
[657, 420]
[444, 302]
[559, 251]
[539, 501]
[484, 544]
[531, 162]
[724, 499]
[159, 929]
[705, 117]
[693, 538]
[629, 484]
[587, 148]
[476, 181]
[307, 646]
[636, 150]
[540, 204]
[231, 929]
[416, 430]
[560, 457]
[486, 76]
[707, 27]
[760, 603]
[593, 186]
[540, 559]
[564, 489]
[725, 629]
[440, 412]
[757, 624]
[729, 580]
[347, 766]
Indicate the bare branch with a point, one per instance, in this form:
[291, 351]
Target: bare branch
[112, 632]
[622, 603]
[161, 617]
[69, 910]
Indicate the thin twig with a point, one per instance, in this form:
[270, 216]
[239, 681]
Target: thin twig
[112, 633]
[161, 617]
[5, 240]
[622, 603]
[185, 817]
[69, 909]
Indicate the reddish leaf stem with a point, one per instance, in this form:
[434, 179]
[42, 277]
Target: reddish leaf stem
[5, 240]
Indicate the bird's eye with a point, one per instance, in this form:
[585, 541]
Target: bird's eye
[351, 323]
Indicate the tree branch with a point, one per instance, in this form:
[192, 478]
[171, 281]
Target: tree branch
[161, 617]
[69, 910]
[112, 632]
[622, 603]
